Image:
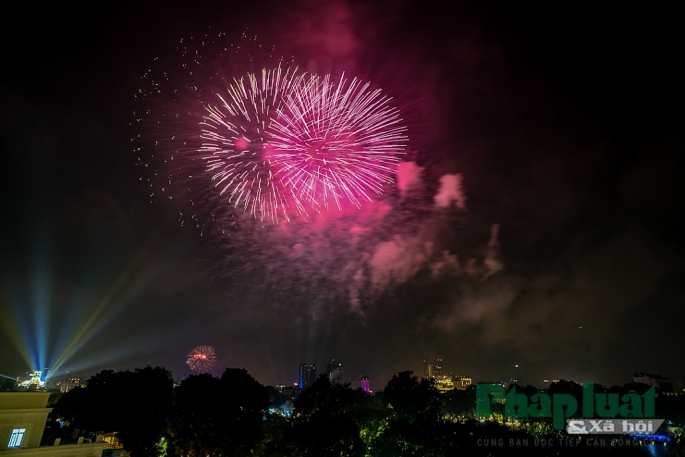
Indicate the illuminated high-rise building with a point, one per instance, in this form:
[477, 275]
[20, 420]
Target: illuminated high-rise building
[334, 371]
[307, 375]
[433, 370]
[427, 370]
[437, 369]
[365, 385]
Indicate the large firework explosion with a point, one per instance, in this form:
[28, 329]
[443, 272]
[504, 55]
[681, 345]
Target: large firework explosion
[336, 142]
[201, 359]
[266, 140]
[237, 133]
[252, 142]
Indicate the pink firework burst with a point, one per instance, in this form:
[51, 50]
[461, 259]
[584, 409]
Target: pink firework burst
[230, 136]
[336, 142]
[201, 359]
[236, 132]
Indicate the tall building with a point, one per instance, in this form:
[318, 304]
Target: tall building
[366, 386]
[307, 375]
[437, 369]
[433, 370]
[334, 371]
[516, 379]
[444, 384]
[427, 369]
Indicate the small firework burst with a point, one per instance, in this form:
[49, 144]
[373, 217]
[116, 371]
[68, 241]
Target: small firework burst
[201, 359]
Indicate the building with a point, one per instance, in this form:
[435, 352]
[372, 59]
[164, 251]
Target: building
[437, 368]
[334, 371]
[428, 370]
[68, 384]
[365, 385]
[433, 370]
[516, 379]
[22, 421]
[444, 384]
[461, 382]
[307, 375]
[292, 392]
[33, 383]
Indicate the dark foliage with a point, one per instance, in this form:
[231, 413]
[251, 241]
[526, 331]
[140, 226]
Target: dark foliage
[218, 416]
[135, 404]
[228, 417]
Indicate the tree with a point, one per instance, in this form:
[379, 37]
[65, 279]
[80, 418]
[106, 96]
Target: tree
[326, 420]
[149, 395]
[459, 402]
[411, 400]
[415, 426]
[218, 416]
[135, 404]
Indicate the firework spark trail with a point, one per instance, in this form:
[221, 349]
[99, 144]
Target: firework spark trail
[202, 135]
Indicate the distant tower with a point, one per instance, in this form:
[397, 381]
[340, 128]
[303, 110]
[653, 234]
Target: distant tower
[307, 375]
[334, 371]
[437, 371]
[366, 387]
[516, 379]
[428, 370]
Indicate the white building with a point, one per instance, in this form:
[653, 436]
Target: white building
[22, 421]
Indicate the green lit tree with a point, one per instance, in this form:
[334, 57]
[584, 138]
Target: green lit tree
[415, 425]
[326, 421]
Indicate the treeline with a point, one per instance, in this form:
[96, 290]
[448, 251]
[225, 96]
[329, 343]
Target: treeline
[228, 416]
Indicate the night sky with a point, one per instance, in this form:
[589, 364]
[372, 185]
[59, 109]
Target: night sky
[537, 219]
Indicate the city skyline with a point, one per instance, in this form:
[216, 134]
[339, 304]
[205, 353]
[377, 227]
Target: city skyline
[531, 219]
[307, 374]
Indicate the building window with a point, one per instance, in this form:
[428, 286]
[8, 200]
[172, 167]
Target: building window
[16, 437]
